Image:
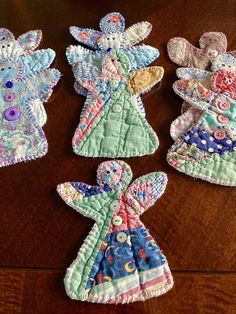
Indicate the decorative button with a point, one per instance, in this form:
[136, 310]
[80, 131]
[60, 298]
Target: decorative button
[213, 53]
[219, 134]
[114, 205]
[117, 108]
[116, 220]
[222, 119]
[121, 237]
[11, 113]
[223, 105]
[9, 97]
[109, 49]
[9, 84]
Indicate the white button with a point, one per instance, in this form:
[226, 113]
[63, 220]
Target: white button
[213, 53]
[121, 237]
[116, 220]
[117, 108]
[114, 205]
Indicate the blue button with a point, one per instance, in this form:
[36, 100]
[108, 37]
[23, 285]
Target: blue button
[109, 49]
[9, 84]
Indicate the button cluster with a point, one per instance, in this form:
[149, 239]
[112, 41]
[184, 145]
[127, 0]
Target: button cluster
[11, 113]
[117, 220]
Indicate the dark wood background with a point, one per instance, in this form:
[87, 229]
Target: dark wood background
[193, 222]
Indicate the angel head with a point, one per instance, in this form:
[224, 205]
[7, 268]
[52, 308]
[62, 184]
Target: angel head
[115, 174]
[113, 34]
[23, 45]
[185, 54]
[9, 70]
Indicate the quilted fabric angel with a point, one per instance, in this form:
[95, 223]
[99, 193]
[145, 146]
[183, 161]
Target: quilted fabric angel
[183, 53]
[113, 39]
[112, 126]
[119, 261]
[207, 150]
[25, 84]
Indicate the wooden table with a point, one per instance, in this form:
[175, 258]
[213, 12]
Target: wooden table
[194, 221]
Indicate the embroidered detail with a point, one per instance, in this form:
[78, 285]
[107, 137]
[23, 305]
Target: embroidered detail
[26, 83]
[118, 257]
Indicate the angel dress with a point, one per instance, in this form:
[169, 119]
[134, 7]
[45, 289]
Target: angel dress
[208, 149]
[25, 84]
[119, 261]
[181, 52]
[113, 125]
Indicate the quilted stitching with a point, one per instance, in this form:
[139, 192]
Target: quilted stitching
[101, 272]
[26, 83]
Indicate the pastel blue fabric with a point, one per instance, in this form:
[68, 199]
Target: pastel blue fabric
[26, 83]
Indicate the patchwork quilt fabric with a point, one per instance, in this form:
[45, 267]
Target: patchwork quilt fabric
[113, 76]
[26, 82]
[180, 51]
[207, 150]
[119, 261]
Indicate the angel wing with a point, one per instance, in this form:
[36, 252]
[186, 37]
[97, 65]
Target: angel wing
[85, 36]
[84, 198]
[30, 40]
[38, 60]
[141, 56]
[192, 74]
[202, 98]
[136, 33]
[144, 191]
[143, 80]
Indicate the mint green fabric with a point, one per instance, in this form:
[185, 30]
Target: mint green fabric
[119, 134]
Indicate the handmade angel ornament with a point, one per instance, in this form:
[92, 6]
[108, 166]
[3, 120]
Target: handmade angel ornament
[112, 36]
[119, 261]
[207, 150]
[25, 84]
[180, 51]
[113, 124]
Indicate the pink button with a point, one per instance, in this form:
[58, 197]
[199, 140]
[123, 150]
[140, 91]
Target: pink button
[222, 119]
[9, 97]
[224, 105]
[219, 134]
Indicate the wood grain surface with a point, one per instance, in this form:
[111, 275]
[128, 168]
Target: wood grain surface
[193, 222]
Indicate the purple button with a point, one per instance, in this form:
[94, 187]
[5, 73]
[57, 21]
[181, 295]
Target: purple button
[11, 114]
[9, 84]
[9, 97]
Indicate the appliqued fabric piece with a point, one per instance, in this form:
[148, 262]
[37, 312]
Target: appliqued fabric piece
[212, 44]
[113, 76]
[26, 82]
[207, 150]
[119, 261]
